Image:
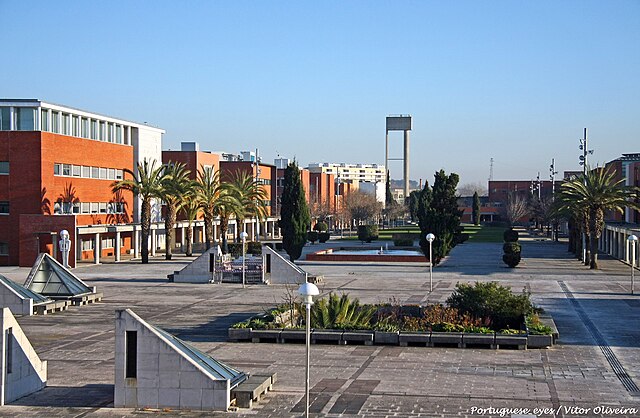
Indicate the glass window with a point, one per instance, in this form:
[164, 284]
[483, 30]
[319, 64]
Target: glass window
[44, 120]
[110, 132]
[5, 118]
[112, 174]
[75, 122]
[85, 128]
[95, 172]
[75, 208]
[55, 122]
[25, 118]
[87, 245]
[66, 207]
[102, 207]
[103, 135]
[119, 174]
[103, 173]
[4, 167]
[85, 207]
[57, 169]
[66, 169]
[57, 208]
[66, 121]
[94, 207]
[4, 248]
[4, 208]
[118, 134]
[86, 172]
[75, 170]
[94, 129]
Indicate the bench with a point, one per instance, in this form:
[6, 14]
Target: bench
[251, 390]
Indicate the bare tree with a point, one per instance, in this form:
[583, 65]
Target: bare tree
[517, 207]
[468, 189]
[362, 206]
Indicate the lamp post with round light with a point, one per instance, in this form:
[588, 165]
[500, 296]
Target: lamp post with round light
[430, 237]
[65, 246]
[307, 291]
[243, 236]
[633, 240]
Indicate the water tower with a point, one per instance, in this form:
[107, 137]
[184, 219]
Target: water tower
[399, 123]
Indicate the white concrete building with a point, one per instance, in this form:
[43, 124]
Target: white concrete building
[349, 173]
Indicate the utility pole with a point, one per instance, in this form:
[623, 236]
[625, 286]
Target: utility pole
[584, 146]
[539, 186]
[552, 177]
[491, 169]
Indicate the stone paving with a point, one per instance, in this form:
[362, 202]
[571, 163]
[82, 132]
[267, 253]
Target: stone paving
[378, 381]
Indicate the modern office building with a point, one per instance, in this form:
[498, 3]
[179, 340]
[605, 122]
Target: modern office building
[348, 173]
[57, 165]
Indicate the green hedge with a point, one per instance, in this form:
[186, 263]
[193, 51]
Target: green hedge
[367, 233]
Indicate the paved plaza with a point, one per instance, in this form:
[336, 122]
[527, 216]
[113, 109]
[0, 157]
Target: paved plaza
[595, 366]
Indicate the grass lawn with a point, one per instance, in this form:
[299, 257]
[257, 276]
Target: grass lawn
[483, 233]
[385, 234]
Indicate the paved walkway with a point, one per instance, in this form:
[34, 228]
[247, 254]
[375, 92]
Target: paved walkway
[597, 362]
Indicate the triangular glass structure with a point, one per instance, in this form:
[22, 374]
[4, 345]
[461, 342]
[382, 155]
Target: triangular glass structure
[23, 291]
[216, 368]
[50, 278]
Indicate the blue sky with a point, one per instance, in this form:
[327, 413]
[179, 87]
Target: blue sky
[511, 80]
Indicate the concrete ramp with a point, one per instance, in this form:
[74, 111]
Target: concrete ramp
[279, 270]
[157, 370]
[22, 372]
[199, 270]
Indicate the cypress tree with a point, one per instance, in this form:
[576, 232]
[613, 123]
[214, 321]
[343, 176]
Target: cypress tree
[388, 199]
[475, 209]
[295, 219]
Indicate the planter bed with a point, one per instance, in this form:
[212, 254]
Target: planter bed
[265, 335]
[385, 337]
[471, 340]
[357, 337]
[292, 336]
[446, 339]
[327, 336]
[518, 341]
[414, 338]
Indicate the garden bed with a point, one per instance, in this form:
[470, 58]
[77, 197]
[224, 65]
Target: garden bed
[486, 315]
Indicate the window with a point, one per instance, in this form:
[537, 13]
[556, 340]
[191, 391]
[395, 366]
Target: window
[44, 120]
[86, 172]
[118, 134]
[75, 123]
[4, 167]
[75, 209]
[57, 169]
[111, 174]
[4, 248]
[108, 242]
[85, 207]
[103, 133]
[95, 173]
[87, 245]
[85, 128]
[57, 208]
[55, 122]
[119, 174]
[4, 207]
[103, 173]
[94, 207]
[94, 129]
[131, 353]
[5, 118]
[66, 169]
[102, 207]
[75, 170]
[66, 120]
[25, 118]
[110, 132]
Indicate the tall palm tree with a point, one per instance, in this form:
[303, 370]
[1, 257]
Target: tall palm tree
[190, 210]
[146, 184]
[595, 193]
[175, 183]
[250, 195]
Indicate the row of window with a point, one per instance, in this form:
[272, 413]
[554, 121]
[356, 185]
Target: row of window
[24, 119]
[76, 208]
[89, 245]
[4, 167]
[83, 171]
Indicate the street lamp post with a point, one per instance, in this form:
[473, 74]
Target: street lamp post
[243, 236]
[632, 241]
[65, 246]
[307, 291]
[430, 238]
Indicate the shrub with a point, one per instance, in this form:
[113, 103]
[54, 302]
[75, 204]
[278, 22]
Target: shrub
[511, 248]
[321, 227]
[254, 248]
[536, 327]
[323, 237]
[511, 260]
[447, 327]
[340, 312]
[312, 236]
[403, 242]
[491, 302]
[510, 235]
[461, 238]
[235, 249]
[367, 233]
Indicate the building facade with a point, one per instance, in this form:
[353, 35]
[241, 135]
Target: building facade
[57, 166]
[347, 173]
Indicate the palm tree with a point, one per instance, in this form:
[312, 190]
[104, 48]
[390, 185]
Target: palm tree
[190, 210]
[228, 206]
[175, 182]
[594, 193]
[250, 195]
[146, 184]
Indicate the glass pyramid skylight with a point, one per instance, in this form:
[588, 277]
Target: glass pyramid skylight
[49, 278]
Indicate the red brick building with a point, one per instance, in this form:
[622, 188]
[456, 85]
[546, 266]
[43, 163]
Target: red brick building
[57, 165]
